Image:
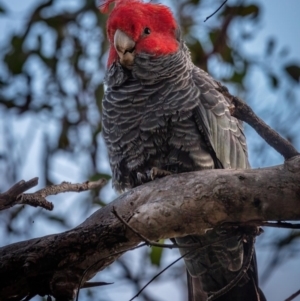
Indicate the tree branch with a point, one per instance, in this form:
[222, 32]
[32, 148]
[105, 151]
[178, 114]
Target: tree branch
[243, 112]
[184, 204]
[16, 196]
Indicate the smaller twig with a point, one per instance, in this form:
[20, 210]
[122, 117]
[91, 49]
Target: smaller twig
[157, 275]
[148, 242]
[66, 187]
[29, 297]
[15, 196]
[254, 223]
[38, 198]
[215, 11]
[95, 284]
[281, 225]
[22, 186]
[292, 297]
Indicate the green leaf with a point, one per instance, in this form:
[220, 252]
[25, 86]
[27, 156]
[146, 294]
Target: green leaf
[197, 52]
[16, 58]
[99, 176]
[294, 72]
[63, 141]
[249, 10]
[240, 10]
[226, 54]
[213, 36]
[156, 254]
[238, 77]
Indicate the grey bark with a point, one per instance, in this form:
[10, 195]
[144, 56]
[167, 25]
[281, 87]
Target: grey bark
[173, 206]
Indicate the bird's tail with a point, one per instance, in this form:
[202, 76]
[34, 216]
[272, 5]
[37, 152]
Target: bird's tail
[195, 290]
[249, 291]
[223, 271]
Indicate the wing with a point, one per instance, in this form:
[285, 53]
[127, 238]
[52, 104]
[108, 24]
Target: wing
[224, 133]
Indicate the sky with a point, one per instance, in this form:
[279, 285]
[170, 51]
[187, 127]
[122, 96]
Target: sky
[279, 19]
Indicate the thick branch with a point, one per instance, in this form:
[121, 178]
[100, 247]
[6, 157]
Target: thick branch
[174, 206]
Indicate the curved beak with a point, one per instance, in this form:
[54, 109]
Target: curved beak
[125, 47]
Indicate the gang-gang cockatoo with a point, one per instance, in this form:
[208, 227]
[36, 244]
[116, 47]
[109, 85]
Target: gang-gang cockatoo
[163, 115]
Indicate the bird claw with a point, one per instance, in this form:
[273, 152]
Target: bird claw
[141, 177]
[156, 173]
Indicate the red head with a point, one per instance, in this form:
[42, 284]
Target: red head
[134, 27]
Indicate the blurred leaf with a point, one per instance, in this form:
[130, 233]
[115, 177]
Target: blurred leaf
[50, 62]
[213, 36]
[240, 10]
[284, 52]
[270, 47]
[156, 254]
[99, 202]
[16, 58]
[274, 80]
[57, 219]
[197, 52]
[63, 141]
[195, 1]
[291, 237]
[226, 54]
[2, 10]
[16, 211]
[247, 35]
[99, 176]
[294, 72]
[248, 10]
[238, 77]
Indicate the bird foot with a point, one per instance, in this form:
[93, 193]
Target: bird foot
[156, 173]
[152, 174]
[142, 178]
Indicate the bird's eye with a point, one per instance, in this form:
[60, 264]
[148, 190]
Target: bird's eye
[147, 31]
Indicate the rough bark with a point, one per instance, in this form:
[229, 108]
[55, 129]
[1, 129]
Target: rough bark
[174, 206]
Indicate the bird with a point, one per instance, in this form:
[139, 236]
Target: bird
[163, 115]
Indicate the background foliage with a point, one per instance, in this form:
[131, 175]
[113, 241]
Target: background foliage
[51, 73]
